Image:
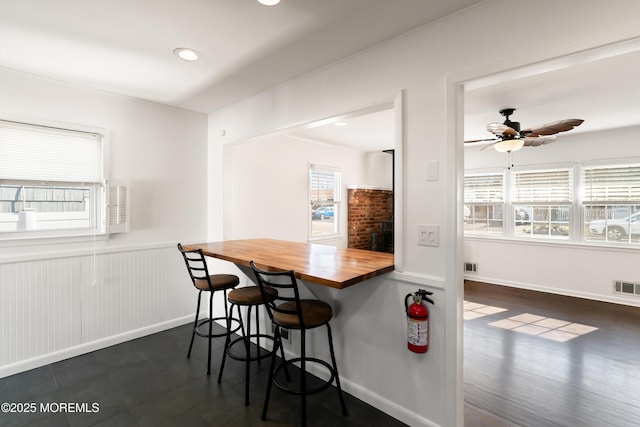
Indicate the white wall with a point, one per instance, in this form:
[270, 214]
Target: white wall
[61, 299]
[426, 64]
[568, 268]
[160, 150]
[267, 185]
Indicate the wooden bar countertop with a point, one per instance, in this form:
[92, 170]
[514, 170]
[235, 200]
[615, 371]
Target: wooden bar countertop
[325, 265]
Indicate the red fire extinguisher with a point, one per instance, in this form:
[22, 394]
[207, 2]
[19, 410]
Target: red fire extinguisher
[418, 321]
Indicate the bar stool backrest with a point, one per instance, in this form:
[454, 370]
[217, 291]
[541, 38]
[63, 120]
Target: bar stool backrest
[196, 265]
[288, 300]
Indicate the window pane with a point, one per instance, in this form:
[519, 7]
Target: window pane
[484, 197]
[324, 195]
[26, 208]
[542, 221]
[323, 221]
[612, 223]
[484, 219]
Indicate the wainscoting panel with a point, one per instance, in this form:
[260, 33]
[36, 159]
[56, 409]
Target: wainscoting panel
[40, 308]
[50, 305]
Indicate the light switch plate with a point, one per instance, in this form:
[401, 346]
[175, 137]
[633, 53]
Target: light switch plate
[428, 235]
[432, 171]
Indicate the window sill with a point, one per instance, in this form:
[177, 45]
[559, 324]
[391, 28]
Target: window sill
[620, 247]
[11, 242]
[324, 238]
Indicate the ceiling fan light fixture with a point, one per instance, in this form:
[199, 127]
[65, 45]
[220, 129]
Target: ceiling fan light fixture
[508, 145]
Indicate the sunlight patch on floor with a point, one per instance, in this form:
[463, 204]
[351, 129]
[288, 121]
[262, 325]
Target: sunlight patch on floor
[544, 327]
[473, 310]
[528, 323]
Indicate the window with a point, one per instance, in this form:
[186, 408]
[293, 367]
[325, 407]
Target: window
[484, 203]
[51, 181]
[541, 203]
[611, 199]
[603, 206]
[324, 201]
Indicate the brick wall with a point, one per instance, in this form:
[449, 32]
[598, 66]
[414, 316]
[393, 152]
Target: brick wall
[367, 209]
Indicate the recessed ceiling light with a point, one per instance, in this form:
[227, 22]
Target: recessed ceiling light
[269, 2]
[186, 54]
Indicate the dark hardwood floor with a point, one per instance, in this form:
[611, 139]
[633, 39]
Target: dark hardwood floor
[150, 382]
[512, 378]
[536, 359]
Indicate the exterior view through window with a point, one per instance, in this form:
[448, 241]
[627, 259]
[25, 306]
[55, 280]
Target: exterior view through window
[324, 201]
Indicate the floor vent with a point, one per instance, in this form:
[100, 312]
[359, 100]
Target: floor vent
[470, 267]
[627, 288]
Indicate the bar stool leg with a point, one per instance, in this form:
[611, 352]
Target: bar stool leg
[210, 332]
[303, 380]
[335, 368]
[195, 325]
[247, 346]
[227, 339]
[277, 342]
[258, 330]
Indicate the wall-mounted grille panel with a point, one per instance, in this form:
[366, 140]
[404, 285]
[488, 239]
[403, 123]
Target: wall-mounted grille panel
[470, 267]
[626, 287]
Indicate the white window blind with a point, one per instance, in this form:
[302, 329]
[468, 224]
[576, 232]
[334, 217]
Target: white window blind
[324, 184]
[38, 153]
[611, 185]
[543, 187]
[484, 188]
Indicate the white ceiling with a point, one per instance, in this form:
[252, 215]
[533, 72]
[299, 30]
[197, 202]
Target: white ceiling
[371, 130]
[600, 87]
[125, 46]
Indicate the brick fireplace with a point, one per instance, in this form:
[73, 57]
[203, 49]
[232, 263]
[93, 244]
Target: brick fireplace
[370, 217]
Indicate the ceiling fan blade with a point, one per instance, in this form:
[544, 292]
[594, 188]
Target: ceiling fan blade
[478, 141]
[501, 129]
[552, 128]
[539, 140]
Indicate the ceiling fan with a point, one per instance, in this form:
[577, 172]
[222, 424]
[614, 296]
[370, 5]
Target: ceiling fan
[511, 138]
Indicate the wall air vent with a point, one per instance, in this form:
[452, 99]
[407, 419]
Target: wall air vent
[626, 288]
[470, 267]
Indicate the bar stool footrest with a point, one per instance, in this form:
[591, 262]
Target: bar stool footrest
[205, 331]
[253, 348]
[325, 384]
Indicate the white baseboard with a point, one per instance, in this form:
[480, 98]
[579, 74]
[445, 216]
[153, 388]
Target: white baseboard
[385, 405]
[558, 291]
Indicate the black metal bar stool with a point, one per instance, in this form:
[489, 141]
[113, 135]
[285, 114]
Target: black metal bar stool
[212, 283]
[249, 297]
[288, 311]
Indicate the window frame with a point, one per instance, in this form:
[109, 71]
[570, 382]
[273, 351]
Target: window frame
[98, 204]
[609, 199]
[541, 191]
[483, 196]
[577, 206]
[336, 202]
